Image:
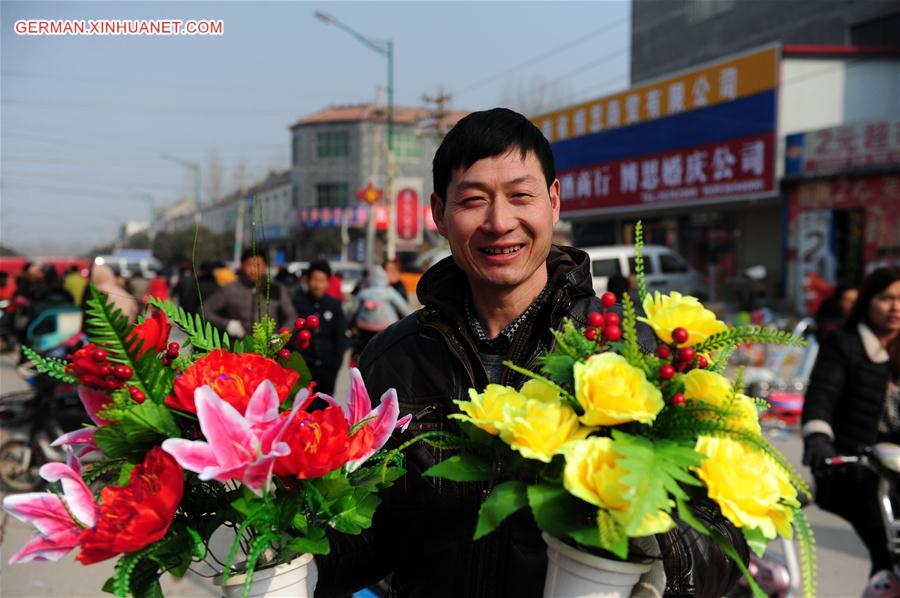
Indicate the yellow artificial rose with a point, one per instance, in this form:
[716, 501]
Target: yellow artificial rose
[665, 313]
[485, 410]
[614, 392]
[712, 388]
[750, 488]
[541, 390]
[539, 429]
[593, 475]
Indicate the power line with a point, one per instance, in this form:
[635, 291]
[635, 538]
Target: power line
[136, 147]
[532, 61]
[35, 103]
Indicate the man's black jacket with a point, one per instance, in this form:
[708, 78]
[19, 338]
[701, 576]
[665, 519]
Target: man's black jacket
[423, 531]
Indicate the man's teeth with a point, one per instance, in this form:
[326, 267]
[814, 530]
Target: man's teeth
[494, 251]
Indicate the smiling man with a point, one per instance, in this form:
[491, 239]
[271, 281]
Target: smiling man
[496, 200]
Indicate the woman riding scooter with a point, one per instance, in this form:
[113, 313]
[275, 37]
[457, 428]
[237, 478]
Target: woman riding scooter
[853, 401]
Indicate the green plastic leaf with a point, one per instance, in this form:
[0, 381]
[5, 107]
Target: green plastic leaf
[462, 468]
[503, 501]
[353, 513]
[755, 540]
[112, 441]
[300, 522]
[557, 512]
[655, 470]
[149, 420]
[313, 543]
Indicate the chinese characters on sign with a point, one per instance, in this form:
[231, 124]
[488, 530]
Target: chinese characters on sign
[735, 167]
[845, 148]
[719, 83]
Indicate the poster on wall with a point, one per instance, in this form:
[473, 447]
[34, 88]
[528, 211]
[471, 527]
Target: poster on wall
[816, 264]
[408, 212]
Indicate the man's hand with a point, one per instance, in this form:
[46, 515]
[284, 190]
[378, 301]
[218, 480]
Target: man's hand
[816, 449]
[235, 329]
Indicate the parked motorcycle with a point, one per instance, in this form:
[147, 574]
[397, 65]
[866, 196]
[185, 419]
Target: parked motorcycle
[30, 421]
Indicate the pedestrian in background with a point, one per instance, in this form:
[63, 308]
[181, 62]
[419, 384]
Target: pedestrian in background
[106, 281]
[75, 284]
[853, 401]
[234, 308]
[378, 305]
[326, 352]
[393, 271]
[834, 311]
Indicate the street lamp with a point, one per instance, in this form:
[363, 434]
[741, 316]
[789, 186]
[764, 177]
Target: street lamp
[195, 167]
[386, 49]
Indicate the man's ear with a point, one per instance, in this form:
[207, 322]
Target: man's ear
[437, 214]
[554, 200]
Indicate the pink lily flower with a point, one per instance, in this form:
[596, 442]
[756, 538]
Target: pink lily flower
[359, 408]
[94, 401]
[59, 519]
[238, 447]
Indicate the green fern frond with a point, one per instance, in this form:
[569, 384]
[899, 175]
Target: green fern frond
[262, 336]
[630, 350]
[749, 334]
[109, 330]
[53, 367]
[95, 471]
[257, 547]
[201, 334]
[639, 260]
[125, 567]
[721, 360]
[806, 542]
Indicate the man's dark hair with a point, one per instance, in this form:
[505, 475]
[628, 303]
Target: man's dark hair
[321, 266]
[487, 134]
[248, 253]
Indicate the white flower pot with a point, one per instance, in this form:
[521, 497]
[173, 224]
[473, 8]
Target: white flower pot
[285, 579]
[572, 573]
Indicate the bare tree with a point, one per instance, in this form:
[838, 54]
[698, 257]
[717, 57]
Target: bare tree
[537, 96]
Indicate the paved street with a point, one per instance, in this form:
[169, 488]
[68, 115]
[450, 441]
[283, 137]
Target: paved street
[842, 564]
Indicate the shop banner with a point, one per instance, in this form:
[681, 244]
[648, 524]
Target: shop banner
[853, 147]
[730, 169]
[704, 135]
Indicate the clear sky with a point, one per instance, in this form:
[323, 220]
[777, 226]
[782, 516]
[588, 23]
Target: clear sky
[84, 120]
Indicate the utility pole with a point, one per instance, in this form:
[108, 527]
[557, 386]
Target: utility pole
[440, 100]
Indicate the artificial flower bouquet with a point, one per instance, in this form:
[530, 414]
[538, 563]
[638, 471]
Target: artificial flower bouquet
[615, 439]
[188, 439]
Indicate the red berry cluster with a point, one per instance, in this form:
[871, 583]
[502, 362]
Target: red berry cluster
[304, 328]
[90, 366]
[680, 360]
[171, 355]
[604, 327]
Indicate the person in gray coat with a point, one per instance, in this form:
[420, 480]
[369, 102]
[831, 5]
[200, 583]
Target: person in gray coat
[377, 306]
[235, 307]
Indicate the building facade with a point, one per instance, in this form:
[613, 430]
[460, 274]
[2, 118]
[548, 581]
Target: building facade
[339, 150]
[696, 147]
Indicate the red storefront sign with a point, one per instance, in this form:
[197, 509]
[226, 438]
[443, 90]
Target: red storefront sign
[727, 170]
[409, 226]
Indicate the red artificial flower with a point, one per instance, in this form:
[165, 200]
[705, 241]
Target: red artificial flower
[319, 443]
[233, 377]
[137, 515]
[154, 331]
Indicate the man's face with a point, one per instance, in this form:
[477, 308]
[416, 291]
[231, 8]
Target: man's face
[254, 268]
[318, 283]
[498, 217]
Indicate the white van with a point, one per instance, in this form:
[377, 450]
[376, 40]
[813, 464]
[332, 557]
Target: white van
[664, 270]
